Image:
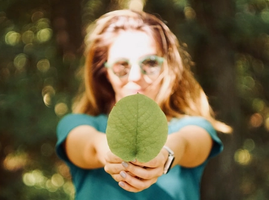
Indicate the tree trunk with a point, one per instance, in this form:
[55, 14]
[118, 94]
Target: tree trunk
[217, 75]
[66, 18]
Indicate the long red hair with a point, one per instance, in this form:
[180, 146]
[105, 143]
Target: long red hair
[180, 94]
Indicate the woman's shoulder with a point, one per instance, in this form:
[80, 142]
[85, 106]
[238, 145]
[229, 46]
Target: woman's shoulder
[178, 123]
[72, 120]
[82, 117]
[189, 120]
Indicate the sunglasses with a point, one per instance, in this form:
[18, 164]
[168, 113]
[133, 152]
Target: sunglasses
[150, 66]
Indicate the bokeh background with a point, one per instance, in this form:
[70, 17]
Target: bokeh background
[41, 47]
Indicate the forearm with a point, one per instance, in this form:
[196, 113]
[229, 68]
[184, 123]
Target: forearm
[86, 147]
[191, 146]
[178, 145]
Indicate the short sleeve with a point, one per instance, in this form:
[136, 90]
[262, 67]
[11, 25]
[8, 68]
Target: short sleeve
[68, 123]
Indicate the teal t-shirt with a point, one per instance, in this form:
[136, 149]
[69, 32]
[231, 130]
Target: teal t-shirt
[179, 184]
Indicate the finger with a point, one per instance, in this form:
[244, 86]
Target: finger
[128, 187]
[134, 184]
[113, 168]
[150, 164]
[158, 161]
[143, 172]
[121, 176]
[118, 177]
[112, 158]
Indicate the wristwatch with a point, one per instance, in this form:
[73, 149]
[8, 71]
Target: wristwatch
[169, 160]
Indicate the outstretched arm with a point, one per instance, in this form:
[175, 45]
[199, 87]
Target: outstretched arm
[86, 147]
[191, 145]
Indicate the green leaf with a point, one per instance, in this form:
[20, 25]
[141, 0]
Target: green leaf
[136, 129]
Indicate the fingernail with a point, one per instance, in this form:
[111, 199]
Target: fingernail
[121, 184]
[123, 174]
[124, 164]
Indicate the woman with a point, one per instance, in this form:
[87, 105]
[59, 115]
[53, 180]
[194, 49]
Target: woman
[129, 52]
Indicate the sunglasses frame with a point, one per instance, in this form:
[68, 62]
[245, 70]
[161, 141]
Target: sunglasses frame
[159, 59]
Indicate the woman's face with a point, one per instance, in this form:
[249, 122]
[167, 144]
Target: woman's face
[127, 55]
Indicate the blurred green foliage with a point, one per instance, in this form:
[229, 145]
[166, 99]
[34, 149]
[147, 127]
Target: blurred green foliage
[41, 52]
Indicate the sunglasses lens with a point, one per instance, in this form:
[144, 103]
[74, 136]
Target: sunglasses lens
[121, 68]
[151, 65]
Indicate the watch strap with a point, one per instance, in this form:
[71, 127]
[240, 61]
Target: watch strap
[169, 161]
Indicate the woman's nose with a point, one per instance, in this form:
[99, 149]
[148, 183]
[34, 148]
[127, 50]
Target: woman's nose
[135, 73]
